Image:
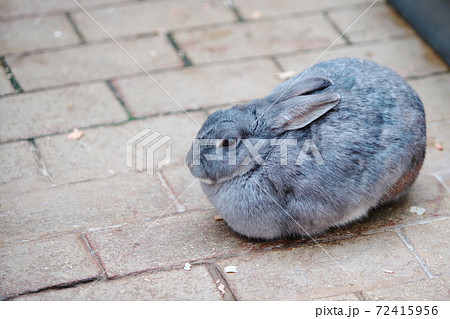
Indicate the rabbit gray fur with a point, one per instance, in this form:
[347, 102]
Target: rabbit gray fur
[368, 125]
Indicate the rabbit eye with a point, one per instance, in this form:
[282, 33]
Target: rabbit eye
[227, 143]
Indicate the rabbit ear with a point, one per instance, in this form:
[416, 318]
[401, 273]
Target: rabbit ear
[299, 87]
[300, 104]
[299, 111]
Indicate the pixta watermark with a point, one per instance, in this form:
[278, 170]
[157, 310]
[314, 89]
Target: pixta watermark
[148, 151]
[290, 151]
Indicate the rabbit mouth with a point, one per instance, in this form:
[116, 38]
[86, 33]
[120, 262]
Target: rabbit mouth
[217, 181]
[236, 174]
[207, 181]
[211, 182]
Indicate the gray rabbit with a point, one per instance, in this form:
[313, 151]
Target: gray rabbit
[359, 141]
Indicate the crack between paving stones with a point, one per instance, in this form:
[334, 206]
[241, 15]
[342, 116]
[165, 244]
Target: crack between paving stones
[336, 27]
[280, 246]
[63, 132]
[277, 64]
[219, 278]
[100, 178]
[55, 287]
[426, 76]
[94, 256]
[229, 4]
[108, 279]
[362, 296]
[10, 75]
[180, 52]
[99, 80]
[415, 253]
[75, 28]
[112, 85]
[440, 180]
[38, 157]
[173, 196]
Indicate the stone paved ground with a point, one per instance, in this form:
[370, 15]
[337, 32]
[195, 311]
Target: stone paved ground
[70, 208]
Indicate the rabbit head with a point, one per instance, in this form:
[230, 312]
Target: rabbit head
[234, 141]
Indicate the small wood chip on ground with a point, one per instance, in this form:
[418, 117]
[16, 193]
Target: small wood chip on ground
[418, 210]
[218, 217]
[221, 288]
[439, 146]
[75, 135]
[230, 269]
[256, 14]
[187, 266]
[283, 76]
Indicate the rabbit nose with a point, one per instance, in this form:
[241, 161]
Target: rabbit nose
[189, 160]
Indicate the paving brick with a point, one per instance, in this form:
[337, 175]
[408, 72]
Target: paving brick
[11, 8]
[380, 22]
[99, 153]
[97, 203]
[20, 171]
[409, 56]
[102, 151]
[33, 114]
[266, 8]
[257, 38]
[195, 284]
[198, 87]
[5, 84]
[170, 241]
[435, 96]
[423, 290]
[180, 179]
[150, 16]
[432, 241]
[437, 160]
[32, 265]
[92, 62]
[180, 127]
[308, 273]
[35, 33]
